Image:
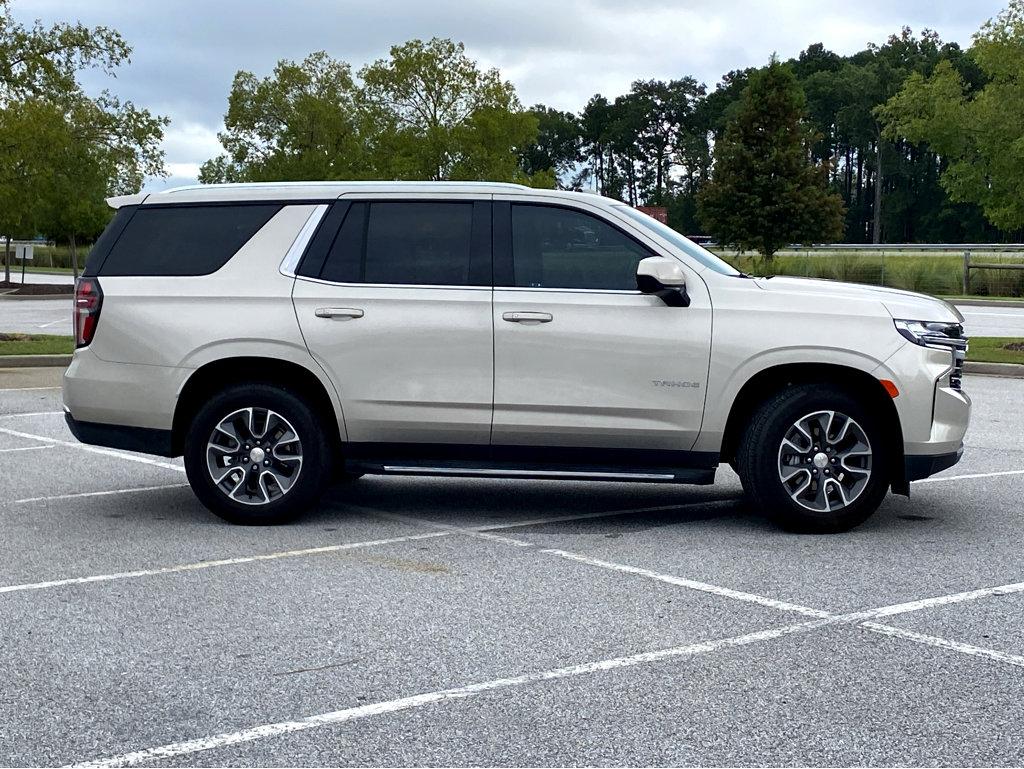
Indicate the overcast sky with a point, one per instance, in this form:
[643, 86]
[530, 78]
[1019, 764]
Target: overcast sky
[559, 52]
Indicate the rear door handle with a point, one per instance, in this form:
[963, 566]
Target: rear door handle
[338, 312]
[527, 317]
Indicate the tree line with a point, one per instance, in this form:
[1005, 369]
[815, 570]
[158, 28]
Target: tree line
[919, 139]
[912, 139]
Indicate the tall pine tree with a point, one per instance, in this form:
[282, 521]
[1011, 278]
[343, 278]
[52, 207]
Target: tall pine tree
[765, 192]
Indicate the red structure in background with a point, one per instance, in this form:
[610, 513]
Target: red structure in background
[655, 212]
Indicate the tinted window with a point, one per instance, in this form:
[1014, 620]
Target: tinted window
[345, 259]
[184, 240]
[684, 244]
[561, 248]
[404, 243]
[109, 237]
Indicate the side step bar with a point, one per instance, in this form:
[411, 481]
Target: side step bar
[701, 476]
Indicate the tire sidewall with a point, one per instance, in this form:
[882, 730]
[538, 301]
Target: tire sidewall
[316, 455]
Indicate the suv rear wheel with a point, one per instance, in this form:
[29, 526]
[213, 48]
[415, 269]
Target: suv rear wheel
[815, 459]
[256, 455]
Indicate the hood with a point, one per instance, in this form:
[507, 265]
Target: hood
[905, 305]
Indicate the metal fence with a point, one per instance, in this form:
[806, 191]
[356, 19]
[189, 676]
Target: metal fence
[978, 269]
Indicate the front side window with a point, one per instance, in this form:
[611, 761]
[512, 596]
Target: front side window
[684, 244]
[403, 243]
[555, 247]
[184, 240]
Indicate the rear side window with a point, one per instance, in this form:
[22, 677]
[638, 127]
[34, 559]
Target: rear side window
[555, 247]
[410, 243]
[106, 240]
[184, 240]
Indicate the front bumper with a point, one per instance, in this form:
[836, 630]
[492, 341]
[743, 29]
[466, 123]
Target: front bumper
[918, 466]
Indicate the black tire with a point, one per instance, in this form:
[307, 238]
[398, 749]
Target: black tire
[758, 460]
[309, 481]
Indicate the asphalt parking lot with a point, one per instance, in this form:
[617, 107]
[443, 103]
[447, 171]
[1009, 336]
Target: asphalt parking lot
[414, 621]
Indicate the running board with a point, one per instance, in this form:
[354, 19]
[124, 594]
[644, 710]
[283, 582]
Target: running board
[701, 476]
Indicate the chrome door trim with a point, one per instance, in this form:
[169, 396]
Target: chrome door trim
[298, 246]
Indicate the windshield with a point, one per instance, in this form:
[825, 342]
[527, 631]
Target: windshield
[684, 244]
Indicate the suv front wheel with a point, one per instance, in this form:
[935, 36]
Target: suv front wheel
[255, 454]
[815, 459]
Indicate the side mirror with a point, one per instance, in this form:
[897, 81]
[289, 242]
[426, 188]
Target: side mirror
[664, 278]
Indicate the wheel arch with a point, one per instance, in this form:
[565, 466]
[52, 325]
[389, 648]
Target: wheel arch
[214, 376]
[858, 382]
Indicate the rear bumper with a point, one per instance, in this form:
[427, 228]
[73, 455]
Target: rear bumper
[919, 466]
[145, 440]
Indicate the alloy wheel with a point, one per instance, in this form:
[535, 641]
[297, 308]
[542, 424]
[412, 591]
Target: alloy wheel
[254, 456]
[825, 461]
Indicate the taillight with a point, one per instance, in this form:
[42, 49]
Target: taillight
[88, 300]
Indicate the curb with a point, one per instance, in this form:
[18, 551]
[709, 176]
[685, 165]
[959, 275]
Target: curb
[26, 361]
[14, 297]
[995, 369]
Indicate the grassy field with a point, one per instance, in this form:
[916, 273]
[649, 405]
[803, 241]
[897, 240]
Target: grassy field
[36, 344]
[937, 273]
[995, 349]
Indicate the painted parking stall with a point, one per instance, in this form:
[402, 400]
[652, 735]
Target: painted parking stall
[481, 621]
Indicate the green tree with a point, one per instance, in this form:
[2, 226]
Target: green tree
[432, 113]
[765, 192]
[298, 124]
[42, 62]
[61, 152]
[557, 149]
[979, 133]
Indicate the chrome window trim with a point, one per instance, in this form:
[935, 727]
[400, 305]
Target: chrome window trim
[323, 282]
[298, 246]
[550, 289]
[623, 292]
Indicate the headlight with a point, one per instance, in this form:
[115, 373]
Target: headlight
[933, 333]
[941, 336]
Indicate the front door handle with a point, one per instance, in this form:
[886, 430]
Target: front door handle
[527, 317]
[338, 312]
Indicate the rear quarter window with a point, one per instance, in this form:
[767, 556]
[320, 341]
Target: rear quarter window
[184, 240]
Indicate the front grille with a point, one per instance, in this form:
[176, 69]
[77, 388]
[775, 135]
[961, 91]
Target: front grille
[957, 374]
[952, 337]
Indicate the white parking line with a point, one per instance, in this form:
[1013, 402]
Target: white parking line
[25, 389]
[945, 643]
[862, 618]
[31, 414]
[690, 584]
[265, 731]
[420, 700]
[26, 448]
[92, 449]
[943, 478]
[439, 532]
[213, 564]
[97, 493]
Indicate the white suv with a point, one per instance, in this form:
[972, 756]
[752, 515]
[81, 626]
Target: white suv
[281, 336]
